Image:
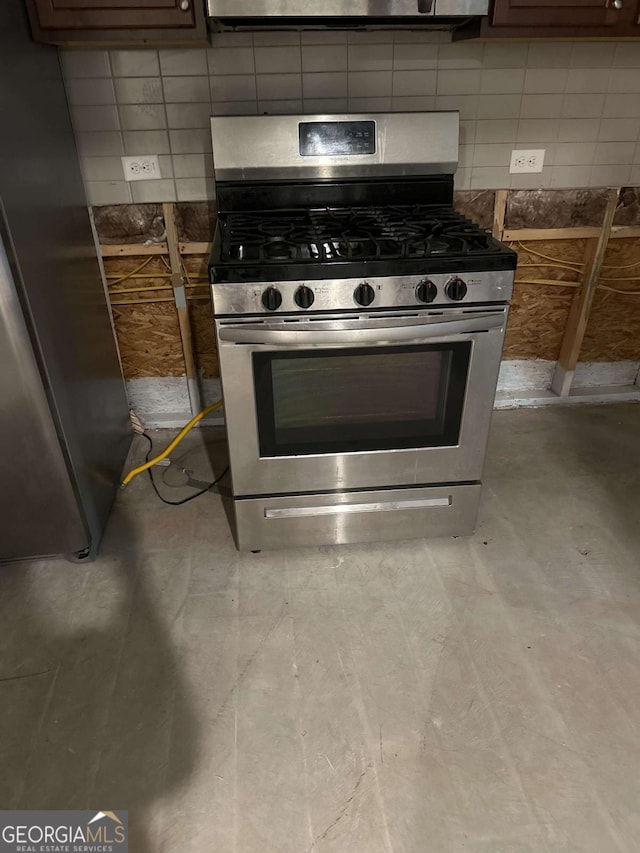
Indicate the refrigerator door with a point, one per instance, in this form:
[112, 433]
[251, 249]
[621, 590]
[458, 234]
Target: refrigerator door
[40, 512]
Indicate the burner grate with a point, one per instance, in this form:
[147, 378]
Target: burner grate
[349, 233]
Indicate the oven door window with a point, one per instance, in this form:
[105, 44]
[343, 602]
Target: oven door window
[378, 398]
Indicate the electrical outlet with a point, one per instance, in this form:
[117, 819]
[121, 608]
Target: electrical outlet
[144, 167]
[530, 160]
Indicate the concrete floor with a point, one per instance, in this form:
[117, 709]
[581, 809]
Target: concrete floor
[477, 694]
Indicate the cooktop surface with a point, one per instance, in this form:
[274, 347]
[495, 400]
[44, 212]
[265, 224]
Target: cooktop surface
[350, 241]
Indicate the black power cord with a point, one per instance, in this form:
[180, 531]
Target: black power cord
[184, 500]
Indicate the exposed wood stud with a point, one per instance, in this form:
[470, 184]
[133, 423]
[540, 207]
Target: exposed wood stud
[135, 249]
[180, 296]
[529, 234]
[581, 306]
[499, 210]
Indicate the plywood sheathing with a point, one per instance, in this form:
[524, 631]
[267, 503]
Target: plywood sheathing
[555, 208]
[476, 205]
[129, 223]
[613, 330]
[628, 210]
[539, 313]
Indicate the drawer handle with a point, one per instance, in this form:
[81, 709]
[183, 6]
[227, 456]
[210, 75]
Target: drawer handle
[340, 509]
[184, 5]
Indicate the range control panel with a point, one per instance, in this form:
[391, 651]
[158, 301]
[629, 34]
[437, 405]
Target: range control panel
[335, 138]
[349, 294]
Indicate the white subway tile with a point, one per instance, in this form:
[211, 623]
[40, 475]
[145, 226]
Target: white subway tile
[498, 106]
[143, 116]
[415, 56]
[193, 165]
[369, 105]
[545, 80]
[146, 142]
[490, 178]
[240, 87]
[365, 84]
[90, 91]
[551, 54]
[236, 60]
[104, 117]
[148, 191]
[501, 81]
[619, 129]
[460, 54]
[278, 87]
[188, 89]
[541, 106]
[100, 144]
[497, 130]
[587, 80]
[531, 129]
[614, 153]
[195, 189]
[458, 82]
[574, 153]
[583, 106]
[107, 192]
[627, 55]
[466, 105]
[325, 85]
[578, 129]
[280, 108]
[592, 54]
[193, 141]
[610, 176]
[277, 60]
[139, 90]
[532, 181]
[370, 57]
[85, 63]
[187, 62]
[621, 106]
[491, 154]
[505, 55]
[324, 57]
[188, 115]
[414, 83]
[570, 176]
[101, 168]
[276, 37]
[134, 63]
[325, 106]
[413, 103]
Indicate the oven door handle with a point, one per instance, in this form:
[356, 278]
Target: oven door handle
[284, 335]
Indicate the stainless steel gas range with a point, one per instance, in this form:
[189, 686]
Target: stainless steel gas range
[360, 323]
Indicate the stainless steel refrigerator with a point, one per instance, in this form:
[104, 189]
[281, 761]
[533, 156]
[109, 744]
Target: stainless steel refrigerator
[64, 431]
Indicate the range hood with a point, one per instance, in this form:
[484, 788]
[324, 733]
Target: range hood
[342, 14]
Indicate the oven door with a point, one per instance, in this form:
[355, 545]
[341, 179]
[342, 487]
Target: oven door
[327, 403]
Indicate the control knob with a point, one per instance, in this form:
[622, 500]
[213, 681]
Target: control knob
[456, 289]
[364, 294]
[426, 291]
[304, 296]
[272, 298]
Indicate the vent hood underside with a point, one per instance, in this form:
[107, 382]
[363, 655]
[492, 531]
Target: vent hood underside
[342, 14]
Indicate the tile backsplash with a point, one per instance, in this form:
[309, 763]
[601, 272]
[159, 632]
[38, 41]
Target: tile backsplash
[580, 101]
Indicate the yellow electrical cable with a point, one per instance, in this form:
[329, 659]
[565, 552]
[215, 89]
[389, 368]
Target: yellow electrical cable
[133, 271]
[548, 257]
[176, 441]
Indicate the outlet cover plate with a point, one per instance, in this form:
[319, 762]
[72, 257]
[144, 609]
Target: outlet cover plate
[144, 167]
[526, 160]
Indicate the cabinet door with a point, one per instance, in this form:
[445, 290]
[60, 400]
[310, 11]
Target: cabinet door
[555, 13]
[114, 14]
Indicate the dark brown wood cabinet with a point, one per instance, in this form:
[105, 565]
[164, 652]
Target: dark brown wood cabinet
[549, 13]
[509, 19]
[117, 21]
